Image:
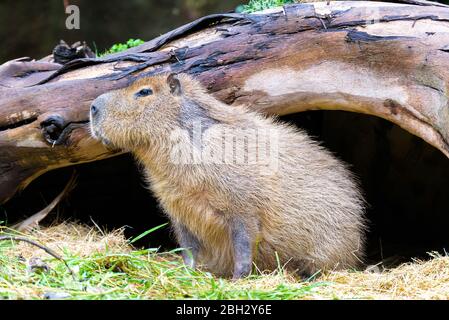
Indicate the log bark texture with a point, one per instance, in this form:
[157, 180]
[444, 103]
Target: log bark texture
[383, 59]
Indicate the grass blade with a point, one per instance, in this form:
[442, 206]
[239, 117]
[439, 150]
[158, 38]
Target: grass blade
[144, 234]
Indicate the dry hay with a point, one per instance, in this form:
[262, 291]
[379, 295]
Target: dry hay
[78, 239]
[414, 280]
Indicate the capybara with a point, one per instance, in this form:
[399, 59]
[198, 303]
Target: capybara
[239, 187]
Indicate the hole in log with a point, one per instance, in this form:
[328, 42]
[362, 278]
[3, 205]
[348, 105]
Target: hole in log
[404, 179]
[52, 128]
[55, 129]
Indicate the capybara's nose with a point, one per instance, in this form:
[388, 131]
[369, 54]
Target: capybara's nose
[94, 110]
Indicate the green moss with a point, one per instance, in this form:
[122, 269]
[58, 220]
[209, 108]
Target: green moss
[119, 47]
[259, 5]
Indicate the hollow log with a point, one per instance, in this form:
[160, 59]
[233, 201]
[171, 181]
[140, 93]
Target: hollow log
[384, 59]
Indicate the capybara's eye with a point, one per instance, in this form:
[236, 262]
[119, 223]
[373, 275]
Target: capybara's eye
[144, 92]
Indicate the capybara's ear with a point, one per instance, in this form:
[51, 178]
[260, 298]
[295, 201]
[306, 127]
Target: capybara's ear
[175, 85]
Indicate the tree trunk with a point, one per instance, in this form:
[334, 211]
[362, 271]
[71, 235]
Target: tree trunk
[383, 59]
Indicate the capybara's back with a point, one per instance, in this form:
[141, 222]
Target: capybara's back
[238, 187]
[314, 207]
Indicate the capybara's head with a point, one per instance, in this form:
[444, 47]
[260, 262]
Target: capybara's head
[127, 118]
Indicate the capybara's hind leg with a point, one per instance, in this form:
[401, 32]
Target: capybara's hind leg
[242, 244]
[189, 242]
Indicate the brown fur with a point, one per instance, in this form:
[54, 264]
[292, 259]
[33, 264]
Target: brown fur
[308, 212]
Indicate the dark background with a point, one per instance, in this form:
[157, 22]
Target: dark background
[406, 181]
[33, 28]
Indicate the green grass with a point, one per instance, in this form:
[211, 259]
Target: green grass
[119, 47]
[259, 5]
[126, 273]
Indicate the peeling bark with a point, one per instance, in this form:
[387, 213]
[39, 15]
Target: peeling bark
[383, 59]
